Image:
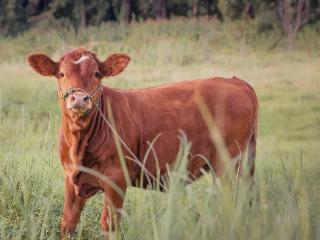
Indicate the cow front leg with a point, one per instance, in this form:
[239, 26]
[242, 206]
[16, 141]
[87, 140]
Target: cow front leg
[110, 216]
[73, 206]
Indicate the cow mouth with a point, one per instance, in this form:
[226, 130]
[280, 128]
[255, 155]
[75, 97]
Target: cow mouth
[87, 191]
[81, 112]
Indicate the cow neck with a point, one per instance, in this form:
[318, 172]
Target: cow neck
[79, 133]
[92, 134]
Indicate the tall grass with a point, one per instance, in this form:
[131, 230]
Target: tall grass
[285, 198]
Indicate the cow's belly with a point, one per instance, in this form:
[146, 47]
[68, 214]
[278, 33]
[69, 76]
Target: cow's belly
[202, 152]
[235, 134]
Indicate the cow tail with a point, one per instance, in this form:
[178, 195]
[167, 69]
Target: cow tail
[252, 146]
[252, 153]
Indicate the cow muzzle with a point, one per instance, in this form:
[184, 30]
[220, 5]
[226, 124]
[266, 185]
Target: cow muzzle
[79, 103]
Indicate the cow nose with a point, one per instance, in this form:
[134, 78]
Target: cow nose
[86, 98]
[75, 177]
[79, 102]
[79, 98]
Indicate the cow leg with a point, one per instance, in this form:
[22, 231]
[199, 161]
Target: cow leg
[73, 206]
[113, 202]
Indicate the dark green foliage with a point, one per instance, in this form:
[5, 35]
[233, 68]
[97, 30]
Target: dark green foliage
[191, 8]
[13, 17]
[19, 15]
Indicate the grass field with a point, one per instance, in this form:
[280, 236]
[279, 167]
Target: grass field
[286, 195]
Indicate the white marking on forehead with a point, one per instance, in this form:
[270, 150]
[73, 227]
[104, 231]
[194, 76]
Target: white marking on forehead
[81, 59]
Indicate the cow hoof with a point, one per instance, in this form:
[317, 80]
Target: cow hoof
[66, 231]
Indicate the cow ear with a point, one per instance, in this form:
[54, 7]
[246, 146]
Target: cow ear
[115, 64]
[43, 64]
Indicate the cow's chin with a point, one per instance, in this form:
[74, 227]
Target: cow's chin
[86, 191]
[83, 112]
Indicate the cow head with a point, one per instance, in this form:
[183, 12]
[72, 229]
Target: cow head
[79, 74]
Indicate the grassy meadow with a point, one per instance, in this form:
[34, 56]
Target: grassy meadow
[286, 195]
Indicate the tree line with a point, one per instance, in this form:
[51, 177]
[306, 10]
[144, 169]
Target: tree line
[18, 15]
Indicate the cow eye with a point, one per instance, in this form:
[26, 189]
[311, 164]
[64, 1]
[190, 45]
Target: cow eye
[97, 75]
[61, 75]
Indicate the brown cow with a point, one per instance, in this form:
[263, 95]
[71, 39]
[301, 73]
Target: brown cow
[140, 115]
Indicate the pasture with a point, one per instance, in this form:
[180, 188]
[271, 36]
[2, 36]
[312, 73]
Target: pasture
[286, 195]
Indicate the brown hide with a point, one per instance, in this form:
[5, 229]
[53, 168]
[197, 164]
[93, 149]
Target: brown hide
[140, 116]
